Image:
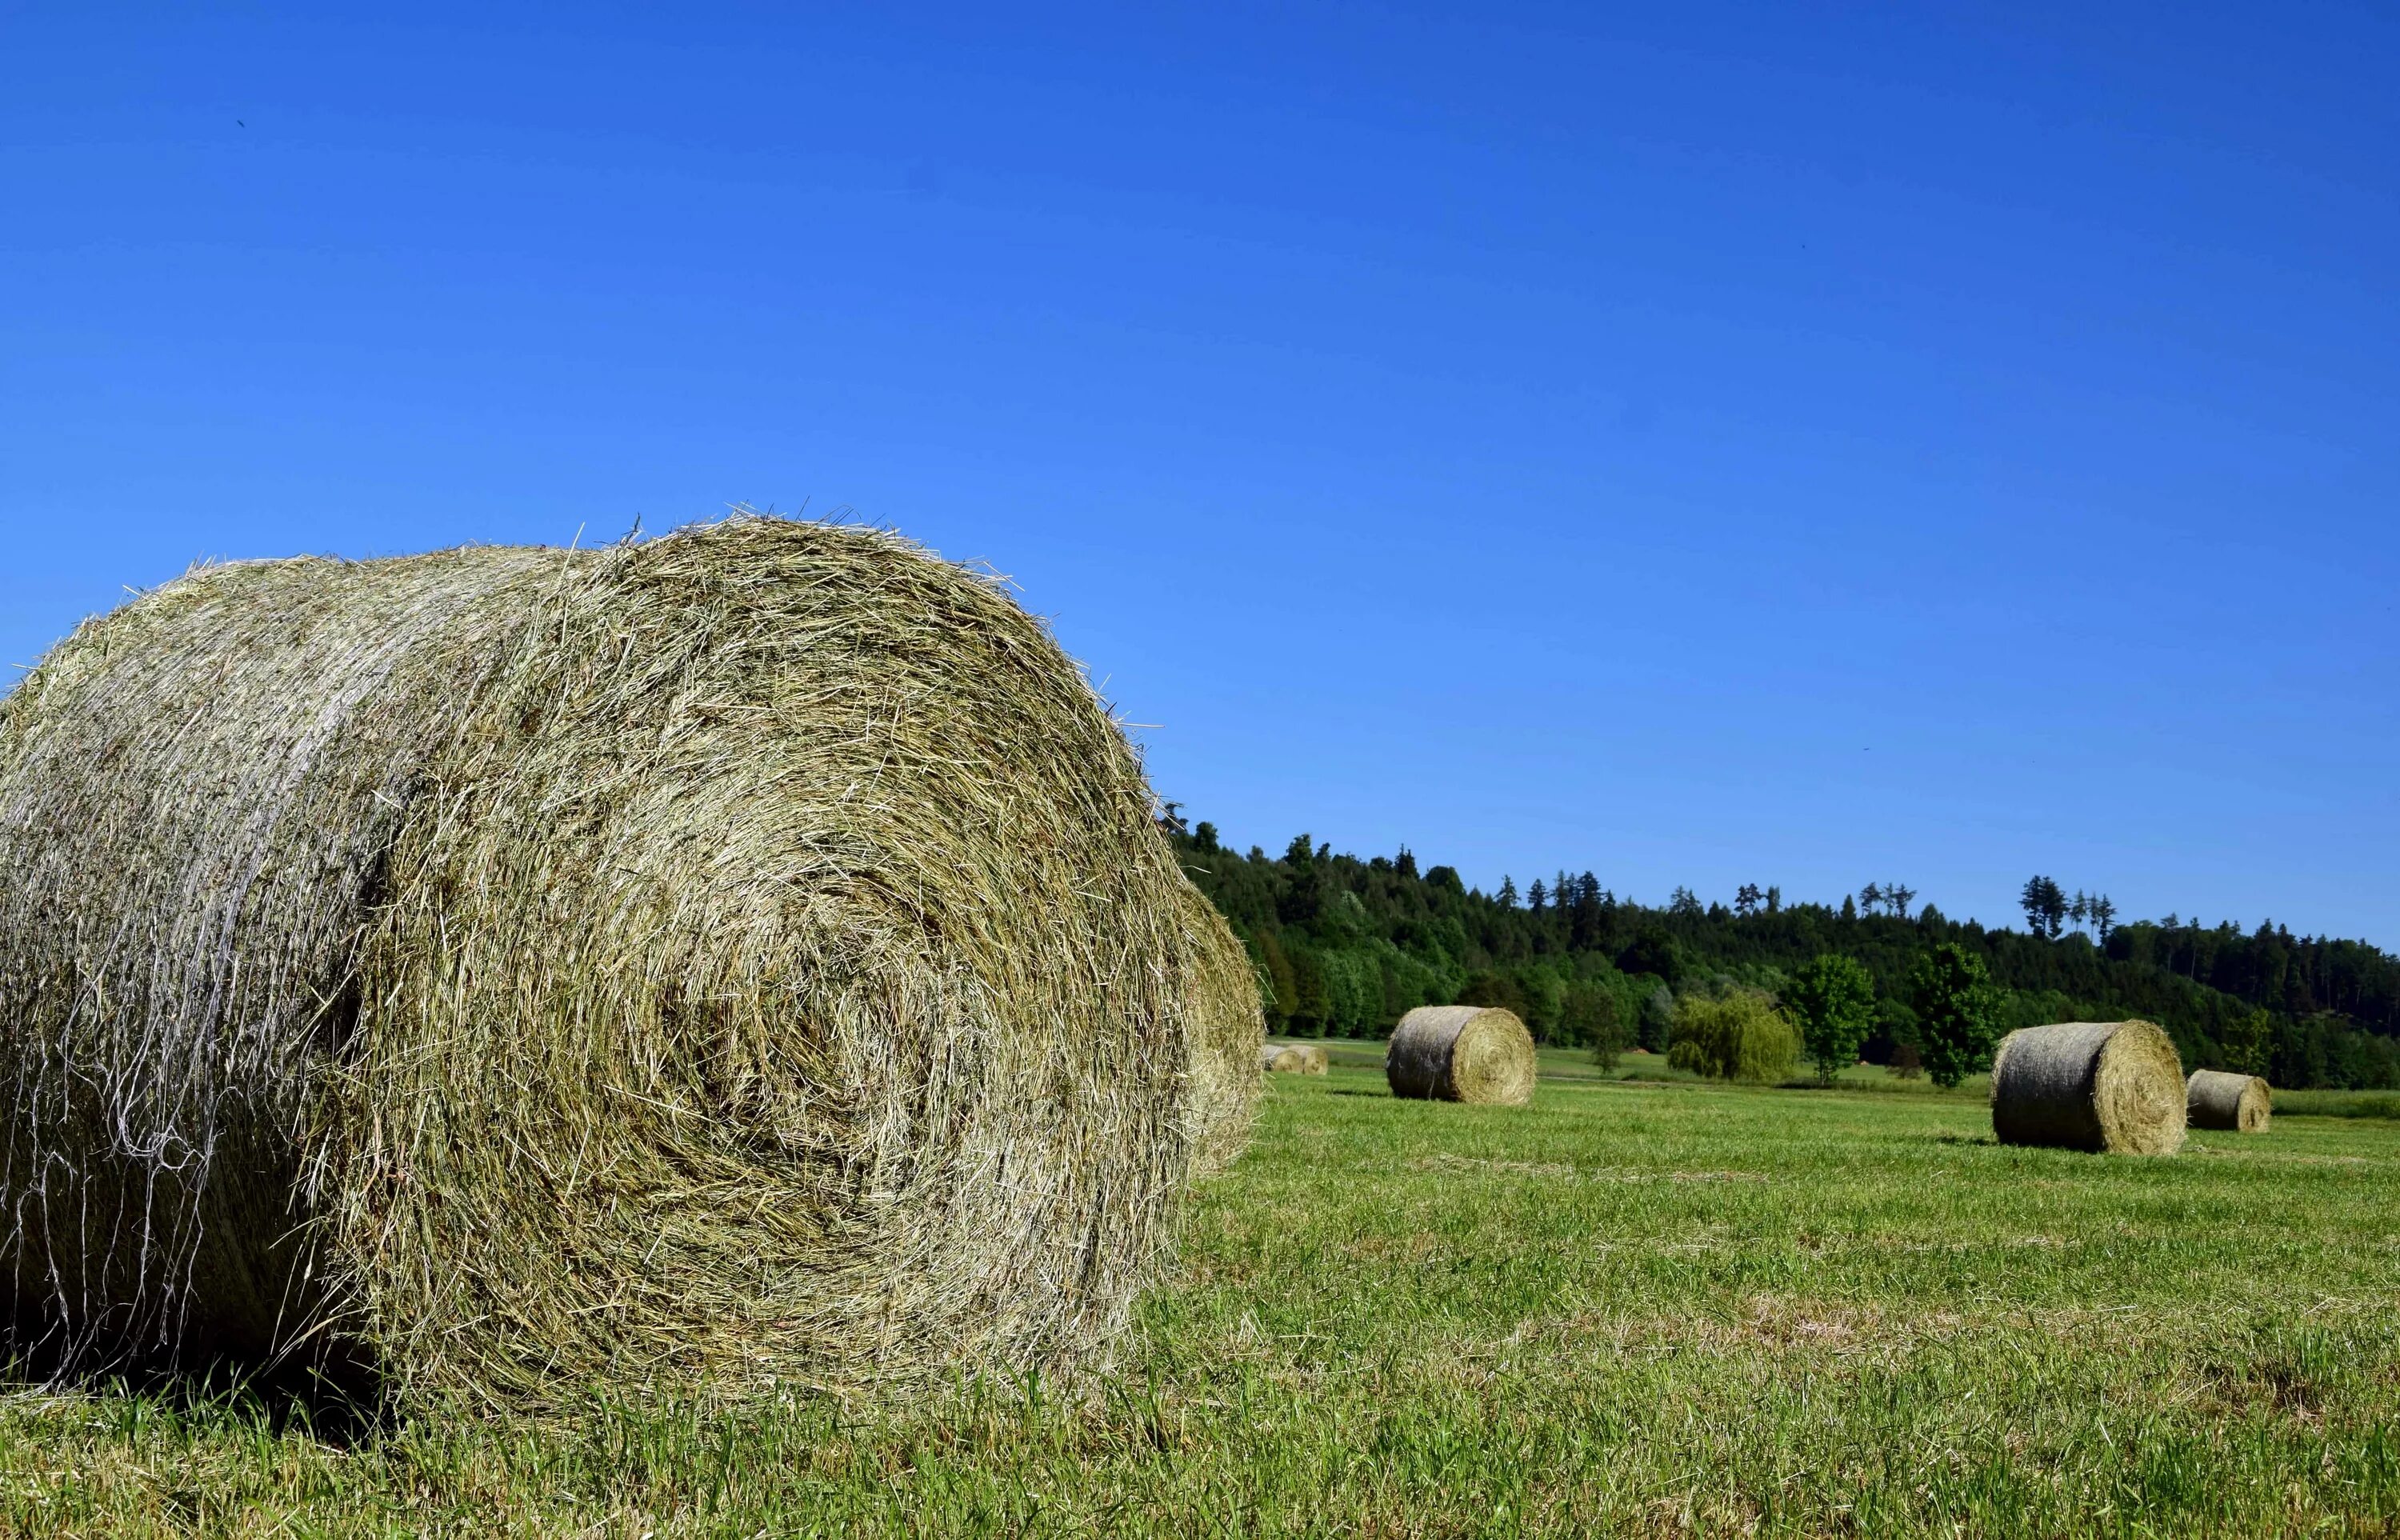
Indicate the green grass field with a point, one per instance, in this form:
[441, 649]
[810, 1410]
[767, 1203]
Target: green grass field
[1648, 1309]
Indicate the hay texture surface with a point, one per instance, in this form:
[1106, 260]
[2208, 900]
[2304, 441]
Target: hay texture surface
[744, 959]
[2098, 1085]
[1291, 1058]
[1230, 1029]
[1461, 1052]
[2213, 1098]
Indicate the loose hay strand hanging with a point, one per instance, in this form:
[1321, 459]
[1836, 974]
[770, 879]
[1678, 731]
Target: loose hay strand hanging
[1461, 1052]
[744, 959]
[2215, 1099]
[2098, 1085]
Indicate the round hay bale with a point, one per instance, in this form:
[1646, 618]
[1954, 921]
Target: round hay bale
[2213, 1099]
[2097, 1086]
[745, 959]
[1229, 1030]
[1291, 1058]
[1461, 1052]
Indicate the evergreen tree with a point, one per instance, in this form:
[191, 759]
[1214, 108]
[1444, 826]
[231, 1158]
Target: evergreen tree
[2044, 903]
[1583, 930]
[1507, 891]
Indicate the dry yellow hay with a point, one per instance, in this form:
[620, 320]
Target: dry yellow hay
[2097, 1086]
[2213, 1099]
[1225, 1043]
[1461, 1052]
[745, 959]
[1291, 1058]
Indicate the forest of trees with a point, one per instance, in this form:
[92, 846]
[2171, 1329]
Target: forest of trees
[1343, 945]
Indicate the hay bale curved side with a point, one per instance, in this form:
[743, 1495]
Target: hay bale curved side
[2215, 1099]
[744, 959]
[1231, 1026]
[1461, 1052]
[1291, 1058]
[2096, 1085]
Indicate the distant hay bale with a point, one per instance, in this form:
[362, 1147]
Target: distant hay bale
[1291, 1058]
[1461, 1052]
[2097, 1086]
[2213, 1098]
[1228, 1033]
[745, 959]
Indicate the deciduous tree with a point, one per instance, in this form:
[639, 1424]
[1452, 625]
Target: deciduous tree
[1832, 1001]
[1956, 1013]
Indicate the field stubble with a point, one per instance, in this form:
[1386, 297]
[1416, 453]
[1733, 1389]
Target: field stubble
[1627, 1309]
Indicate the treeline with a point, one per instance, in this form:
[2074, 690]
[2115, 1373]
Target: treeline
[1344, 946]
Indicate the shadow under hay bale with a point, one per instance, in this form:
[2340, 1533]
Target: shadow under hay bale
[2099, 1086]
[1291, 1058]
[743, 960]
[1225, 1043]
[1461, 1052]
[2213, 1099]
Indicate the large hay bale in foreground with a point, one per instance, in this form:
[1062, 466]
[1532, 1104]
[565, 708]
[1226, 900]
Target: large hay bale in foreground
[1228, 1029]
[2215, 1099]
[1291, 1058]
[2097, 1086]
[744, 959]
[1461, 1052]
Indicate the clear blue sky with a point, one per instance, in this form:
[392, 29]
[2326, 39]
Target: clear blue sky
[1701, 443]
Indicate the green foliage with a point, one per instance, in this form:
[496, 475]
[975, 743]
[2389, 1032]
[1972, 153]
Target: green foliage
[1956, 1013]
[1657, 1017]
[1591, 1016]
[1498, 988]
[1380, 938]
[2247, 1045]
[1735, 1036]
[1832, 1002]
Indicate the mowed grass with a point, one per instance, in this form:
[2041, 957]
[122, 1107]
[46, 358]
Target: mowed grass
[1629, 1309]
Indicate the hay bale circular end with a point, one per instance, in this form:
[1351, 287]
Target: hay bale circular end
[2215, 1099]
[1462, 1053]
[1291, 1058]
[2114, 1086]
[743, 960]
